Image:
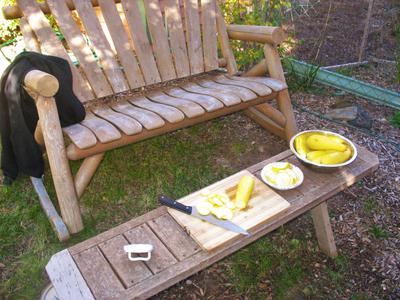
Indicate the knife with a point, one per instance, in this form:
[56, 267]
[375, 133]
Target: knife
[191, 210]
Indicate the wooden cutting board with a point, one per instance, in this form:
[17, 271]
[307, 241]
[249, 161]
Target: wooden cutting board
[264, 206]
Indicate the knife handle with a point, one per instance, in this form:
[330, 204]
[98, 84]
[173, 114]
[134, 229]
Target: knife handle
[175, 205]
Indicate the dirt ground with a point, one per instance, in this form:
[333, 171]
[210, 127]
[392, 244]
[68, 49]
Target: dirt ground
[340, 42]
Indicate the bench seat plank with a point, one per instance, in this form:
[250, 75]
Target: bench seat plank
[244, 93]
[189, 108]
[161, 258]
[126, 124]
[228, 99]
[259, 88]
[148, 119]
[209, 103]
[130, 272]
[103, 130]
[275, 84]
[81, 136]
[169, 113]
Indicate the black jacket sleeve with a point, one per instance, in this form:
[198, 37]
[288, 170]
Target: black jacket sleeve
[20, 152]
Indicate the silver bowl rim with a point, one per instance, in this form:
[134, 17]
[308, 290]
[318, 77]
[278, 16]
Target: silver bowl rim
[355, 153]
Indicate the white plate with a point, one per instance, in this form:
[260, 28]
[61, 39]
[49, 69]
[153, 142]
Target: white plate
[296, 169]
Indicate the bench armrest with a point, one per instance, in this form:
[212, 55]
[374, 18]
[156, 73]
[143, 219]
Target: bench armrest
[41, 83]
[253, 33]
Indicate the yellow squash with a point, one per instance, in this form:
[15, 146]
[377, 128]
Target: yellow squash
[300, 143]
[244, 190]
[315, 156]
[322, 142]
[335, 157]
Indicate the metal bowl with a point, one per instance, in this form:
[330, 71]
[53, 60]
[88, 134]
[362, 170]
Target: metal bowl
[320, 167]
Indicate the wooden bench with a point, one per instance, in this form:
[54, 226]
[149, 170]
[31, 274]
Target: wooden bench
[173, 42]
[98, 268]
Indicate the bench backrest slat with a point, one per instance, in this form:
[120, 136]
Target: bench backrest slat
[102, 47]
[208, 20]
[51, 45]
[159, 40]
[122, 43]
[193, 37]
[126, 45]
[172, 10]
[80, 48]
[30, 39]
[141, 42]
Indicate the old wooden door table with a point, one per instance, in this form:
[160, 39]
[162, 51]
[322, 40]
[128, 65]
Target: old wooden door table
[98, 268]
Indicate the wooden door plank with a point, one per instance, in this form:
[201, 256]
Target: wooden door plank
[274, 84]
[97, 37]
[189, 108]
[66, 277]
[161, 258]
[244, 93]
[130, 272]
[81, 136]
[160, 43]
[227, 98]
[209, 29]
[259, 88]
[117, 230]
[177, 37]
[81, 50]
[147, 118]
[174, 237]
[122, 45]
[169, 113]
[51, 45]
[104, 131]
[208, 102]
[126, 124]
[193, 36]
[143, 49]
[98, 274]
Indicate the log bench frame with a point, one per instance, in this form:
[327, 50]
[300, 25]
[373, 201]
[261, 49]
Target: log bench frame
[42, 87]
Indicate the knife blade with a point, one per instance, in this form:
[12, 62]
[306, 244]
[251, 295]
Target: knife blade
[190, 210]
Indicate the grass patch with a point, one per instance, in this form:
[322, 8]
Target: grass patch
[378, 232]
[127, 184]
[370, 205]
[395, 119]
[274, 261]
[359, 296]
[239, 148]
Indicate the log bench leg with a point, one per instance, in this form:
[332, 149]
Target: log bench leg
[86, 172]
[55, 220]
[59, 166]
[323, 230]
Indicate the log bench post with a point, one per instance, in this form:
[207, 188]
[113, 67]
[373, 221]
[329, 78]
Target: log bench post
[42, 87]
[323, 229]
[279, 121]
